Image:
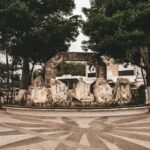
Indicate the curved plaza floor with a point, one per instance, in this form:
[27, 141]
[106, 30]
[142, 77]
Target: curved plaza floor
[74, 133]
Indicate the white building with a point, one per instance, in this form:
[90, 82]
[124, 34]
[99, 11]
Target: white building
[71, 81]
[131, 72]
[114, 71]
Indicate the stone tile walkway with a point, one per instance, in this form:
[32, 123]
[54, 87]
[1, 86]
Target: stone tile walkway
[74, 133]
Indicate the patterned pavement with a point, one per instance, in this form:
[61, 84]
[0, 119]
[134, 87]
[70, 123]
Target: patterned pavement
[76, 133]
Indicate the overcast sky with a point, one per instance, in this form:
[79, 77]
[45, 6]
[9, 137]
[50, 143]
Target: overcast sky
[76, 46]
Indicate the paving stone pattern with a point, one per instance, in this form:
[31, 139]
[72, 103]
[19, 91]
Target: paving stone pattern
[18, 132]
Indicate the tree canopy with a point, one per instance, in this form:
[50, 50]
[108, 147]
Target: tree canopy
[36, 29]
[71, 69]
[120, 29]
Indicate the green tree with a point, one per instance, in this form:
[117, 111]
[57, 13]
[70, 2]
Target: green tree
[38, 72]
[14, 77]
[71, 68]
[3, 73]
[120, 29]
[36, 30]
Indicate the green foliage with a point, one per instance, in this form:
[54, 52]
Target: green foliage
[119, 28]
[37, 29]
[72, 69]
[3, 72]
[13, 72]
[37, 73]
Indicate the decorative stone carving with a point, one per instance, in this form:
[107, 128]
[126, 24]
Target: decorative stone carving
[82, 92]
[102, 91]
[122, 91]
[59, 91]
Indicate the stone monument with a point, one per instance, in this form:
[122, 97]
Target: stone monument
[56, 92]
[37, 91]
[59, 91]
[83, 92]
[102, 91]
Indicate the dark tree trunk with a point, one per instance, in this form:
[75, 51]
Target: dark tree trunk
[143, 76]
[145, 59]
[148, 85]
[8, 84]
[31, 73]
[148, 77]
[12, 81]
[24, 84]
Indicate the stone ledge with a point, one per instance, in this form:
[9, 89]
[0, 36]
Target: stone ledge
[78, 112]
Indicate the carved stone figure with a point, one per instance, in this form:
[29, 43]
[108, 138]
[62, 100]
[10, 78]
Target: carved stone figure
[102, 91]
[122, 91]
[82, 91]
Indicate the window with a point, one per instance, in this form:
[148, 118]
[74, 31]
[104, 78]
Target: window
[90, 75]
[126, 73]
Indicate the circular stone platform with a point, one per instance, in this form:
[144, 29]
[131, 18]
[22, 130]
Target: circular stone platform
[78, 112]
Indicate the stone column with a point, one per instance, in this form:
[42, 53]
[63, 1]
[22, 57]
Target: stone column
[51, 68]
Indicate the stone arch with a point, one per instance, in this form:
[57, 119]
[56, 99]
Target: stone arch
[54, 62]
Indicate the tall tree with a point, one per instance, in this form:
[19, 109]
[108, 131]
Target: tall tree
[120, 29]
[36, 29]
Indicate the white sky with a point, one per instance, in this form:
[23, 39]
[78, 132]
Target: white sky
[76, 46]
